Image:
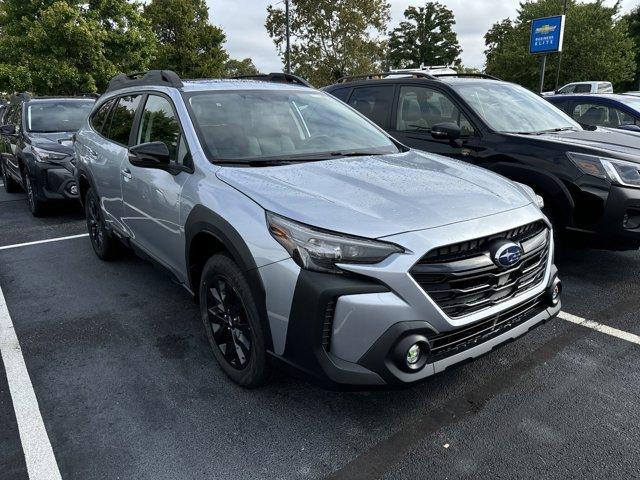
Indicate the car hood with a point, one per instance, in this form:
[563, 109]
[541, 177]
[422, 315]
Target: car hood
[605, 140]
[58, 141]
[376, 196]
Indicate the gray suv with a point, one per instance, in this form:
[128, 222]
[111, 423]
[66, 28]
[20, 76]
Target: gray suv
[310, 237]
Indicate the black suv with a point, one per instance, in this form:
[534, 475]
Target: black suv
[589, 180]
[36, 147]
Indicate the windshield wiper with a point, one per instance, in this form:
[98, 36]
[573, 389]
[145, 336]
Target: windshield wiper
[553, 130]
[353, 153]
[420, 128]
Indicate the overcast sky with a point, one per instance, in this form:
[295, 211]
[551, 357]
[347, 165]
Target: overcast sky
[243, 22]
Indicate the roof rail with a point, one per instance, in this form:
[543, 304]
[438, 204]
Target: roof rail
[277, 77]
[470, 75]
[166, 78]
[378, 76]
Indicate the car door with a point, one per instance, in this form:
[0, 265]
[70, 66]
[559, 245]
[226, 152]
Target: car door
[107, 149]
[12, 143]
[419, 108]
[152, 195]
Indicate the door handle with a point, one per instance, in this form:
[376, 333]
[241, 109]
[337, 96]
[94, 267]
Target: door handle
[126, 174]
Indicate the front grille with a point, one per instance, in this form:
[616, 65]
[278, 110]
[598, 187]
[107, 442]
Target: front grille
[462, 279]
[450, 343]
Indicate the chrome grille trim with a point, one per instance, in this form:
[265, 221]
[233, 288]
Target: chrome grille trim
[470, 282]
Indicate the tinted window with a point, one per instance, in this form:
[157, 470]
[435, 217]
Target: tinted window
[98, 118]
[582, 88]
[122, 116]
[341, 93]
[373, 102]
[605, 87]
[600, 115]
[420, 108]
[57, 115]
[159, 124]
[567, 89]
[281, 124]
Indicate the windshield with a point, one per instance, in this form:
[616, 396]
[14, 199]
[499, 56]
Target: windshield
[513, 109]
[57, 115]
[260, 125]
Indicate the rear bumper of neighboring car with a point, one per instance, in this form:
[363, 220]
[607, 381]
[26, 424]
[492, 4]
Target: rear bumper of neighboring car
[54, 182]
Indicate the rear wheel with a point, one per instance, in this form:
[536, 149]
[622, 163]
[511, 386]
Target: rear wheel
[10, 185]
[36, 206]
[103, 242]
[232, 321]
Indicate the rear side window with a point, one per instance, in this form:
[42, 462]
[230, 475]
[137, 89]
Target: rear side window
[583, 88]
[374, 103]
[122, 117]
[98, 118]
[341, 93]
[605, 87]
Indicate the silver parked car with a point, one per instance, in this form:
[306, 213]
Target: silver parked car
[309, 235]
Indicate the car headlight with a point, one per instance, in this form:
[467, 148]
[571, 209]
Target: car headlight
[43, 155]
[617, 171]
[319, 250]
[537, 199]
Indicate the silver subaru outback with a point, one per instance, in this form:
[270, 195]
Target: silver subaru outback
[310, 237]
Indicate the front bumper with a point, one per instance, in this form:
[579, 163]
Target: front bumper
[618, 227]
[347, 329]
[54, 182]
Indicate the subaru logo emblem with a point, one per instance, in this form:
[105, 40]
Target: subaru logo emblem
[506, 254]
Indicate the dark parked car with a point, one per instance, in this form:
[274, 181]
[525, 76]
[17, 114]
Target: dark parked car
[602, 110]
[37, 147]
[590, 180]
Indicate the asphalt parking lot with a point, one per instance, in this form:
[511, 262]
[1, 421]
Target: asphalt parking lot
[127, 387]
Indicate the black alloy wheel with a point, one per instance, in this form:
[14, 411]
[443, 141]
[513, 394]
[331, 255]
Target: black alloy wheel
[35, 205]
[103, 242]
[232, 321]
[228, 323]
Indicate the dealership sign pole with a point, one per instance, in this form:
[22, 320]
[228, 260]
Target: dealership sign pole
[547, 35]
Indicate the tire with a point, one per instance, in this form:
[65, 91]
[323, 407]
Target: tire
[232, 322]
[37, 207]
[10, 185]
[106, 246]
[557, 229]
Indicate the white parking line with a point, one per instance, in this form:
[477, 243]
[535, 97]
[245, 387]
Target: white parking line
[599, 327]
[18, 245]
[38, 453]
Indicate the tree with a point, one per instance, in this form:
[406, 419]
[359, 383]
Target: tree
[331, 38]
[597, 45]
[67, 46]
[187, 42]
[425, 37]
[238, 68]
[633, 22]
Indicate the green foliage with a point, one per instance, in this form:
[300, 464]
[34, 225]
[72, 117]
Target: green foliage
[425, 37]
[597, 45]
[187, 42]
[331, 38]
[238, 68]
[67, 47]
[633, 22]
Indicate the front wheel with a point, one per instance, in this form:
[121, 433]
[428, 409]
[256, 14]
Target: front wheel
[103, 242]
[232, 321]
[36, 206]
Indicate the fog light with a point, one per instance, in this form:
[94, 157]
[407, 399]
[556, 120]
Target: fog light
[554, 292]
[73, 190]
[413, 354]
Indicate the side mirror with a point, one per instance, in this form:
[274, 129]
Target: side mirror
[8, 129]
[446, 131]
[150, 155]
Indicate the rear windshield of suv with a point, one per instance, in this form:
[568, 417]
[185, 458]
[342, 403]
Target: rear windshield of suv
[254, 125]
[510, 108]
[57, 115]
